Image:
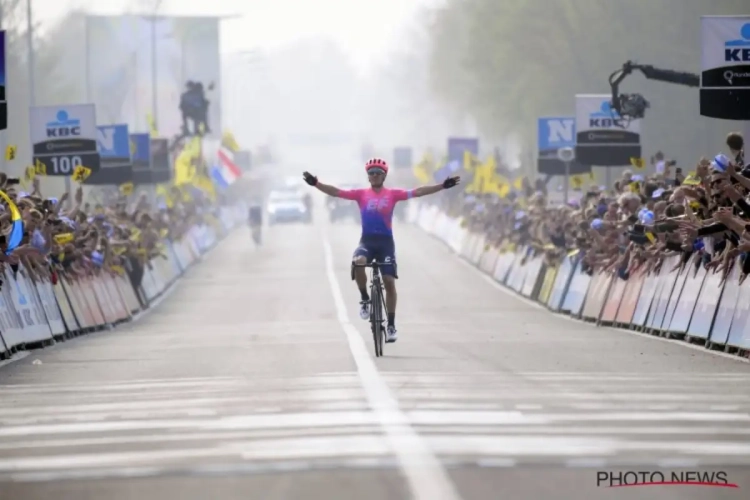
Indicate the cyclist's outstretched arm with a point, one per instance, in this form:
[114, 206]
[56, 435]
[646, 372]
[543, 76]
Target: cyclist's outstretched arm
[325, 188]
[427, 190]
[329, 190]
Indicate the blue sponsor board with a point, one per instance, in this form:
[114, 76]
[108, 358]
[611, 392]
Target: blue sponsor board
[113, 144]
[554, 133]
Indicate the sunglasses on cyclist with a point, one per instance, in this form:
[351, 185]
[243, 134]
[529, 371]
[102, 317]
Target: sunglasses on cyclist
[375, 171]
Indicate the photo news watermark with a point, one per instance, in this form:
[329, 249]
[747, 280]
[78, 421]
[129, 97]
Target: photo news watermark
[619, 479]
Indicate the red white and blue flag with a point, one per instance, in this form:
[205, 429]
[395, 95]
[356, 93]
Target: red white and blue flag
[227, 171]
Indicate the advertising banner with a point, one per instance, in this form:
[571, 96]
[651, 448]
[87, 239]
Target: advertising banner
[116, 168]
[554, 133]
[161, 167]
[603, 137]
[725, 67]
[402, 157]
[140, 150]
[458, 145]
[3, 70]
[64, 137]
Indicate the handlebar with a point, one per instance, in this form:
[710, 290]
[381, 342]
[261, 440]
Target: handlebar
[372, 264]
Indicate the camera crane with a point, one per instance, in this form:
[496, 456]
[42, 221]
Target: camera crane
[633, 106]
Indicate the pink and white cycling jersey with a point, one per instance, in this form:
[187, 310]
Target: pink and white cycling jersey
[376, 208]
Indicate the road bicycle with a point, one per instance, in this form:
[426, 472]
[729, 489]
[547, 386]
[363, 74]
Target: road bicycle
[378, 311]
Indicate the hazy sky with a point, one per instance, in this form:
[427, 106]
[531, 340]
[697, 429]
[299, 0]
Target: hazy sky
[367, 29]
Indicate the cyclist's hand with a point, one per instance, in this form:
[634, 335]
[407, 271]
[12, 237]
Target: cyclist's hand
[309, 178]
[450, 182]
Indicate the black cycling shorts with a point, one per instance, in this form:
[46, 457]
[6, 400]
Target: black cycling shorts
[381, 249]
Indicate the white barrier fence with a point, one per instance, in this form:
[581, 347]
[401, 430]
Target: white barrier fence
[692, 303]
[35, 313]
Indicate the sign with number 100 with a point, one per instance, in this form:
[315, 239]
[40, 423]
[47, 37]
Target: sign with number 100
[65, 164]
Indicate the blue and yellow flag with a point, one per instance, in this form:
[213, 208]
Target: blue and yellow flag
[16, 231]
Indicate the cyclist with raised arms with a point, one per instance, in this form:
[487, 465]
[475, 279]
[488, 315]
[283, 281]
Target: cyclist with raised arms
[376, 205]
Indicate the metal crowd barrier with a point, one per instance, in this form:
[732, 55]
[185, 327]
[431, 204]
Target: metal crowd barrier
[691, 304]
[35, 313]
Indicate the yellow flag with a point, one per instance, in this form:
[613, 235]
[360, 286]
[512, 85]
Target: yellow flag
[423, 170]
[193, 147]
[484, 177]
[489, 180]
[80, 174]
[136, 235]
[228, 141]
[470, 163]
[479, 179]
[40, 168]
[118, 269]
[576, 181]
[126, 188]
[638, 163]
[691, 180]
[63, 238]
[163, 191]
[204, 184]
[152, 126]
[635, 187]
[29, 174]
[183, 169]
[10, 153]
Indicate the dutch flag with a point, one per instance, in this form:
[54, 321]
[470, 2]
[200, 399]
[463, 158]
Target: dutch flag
[228, 169]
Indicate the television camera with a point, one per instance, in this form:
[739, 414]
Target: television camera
[633, 106]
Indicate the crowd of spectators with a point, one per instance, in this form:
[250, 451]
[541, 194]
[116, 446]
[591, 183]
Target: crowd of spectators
[69, 237]
[703, 215]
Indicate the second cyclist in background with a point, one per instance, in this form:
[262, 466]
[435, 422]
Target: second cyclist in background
[255, 219]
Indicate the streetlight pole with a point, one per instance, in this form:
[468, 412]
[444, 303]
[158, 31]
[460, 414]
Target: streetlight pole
[566, 155]
[30, 42]
[154, 100]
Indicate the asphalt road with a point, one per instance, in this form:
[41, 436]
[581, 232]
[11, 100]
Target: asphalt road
[255, 379]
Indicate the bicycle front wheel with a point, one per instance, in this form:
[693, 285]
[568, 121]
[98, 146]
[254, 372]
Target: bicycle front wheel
[376, 321]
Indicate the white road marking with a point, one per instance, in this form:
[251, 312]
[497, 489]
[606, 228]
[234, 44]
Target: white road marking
[220, 436]
[528, 407]
[426, 477]
[590, 462]
[71, 461]
[381, 416]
